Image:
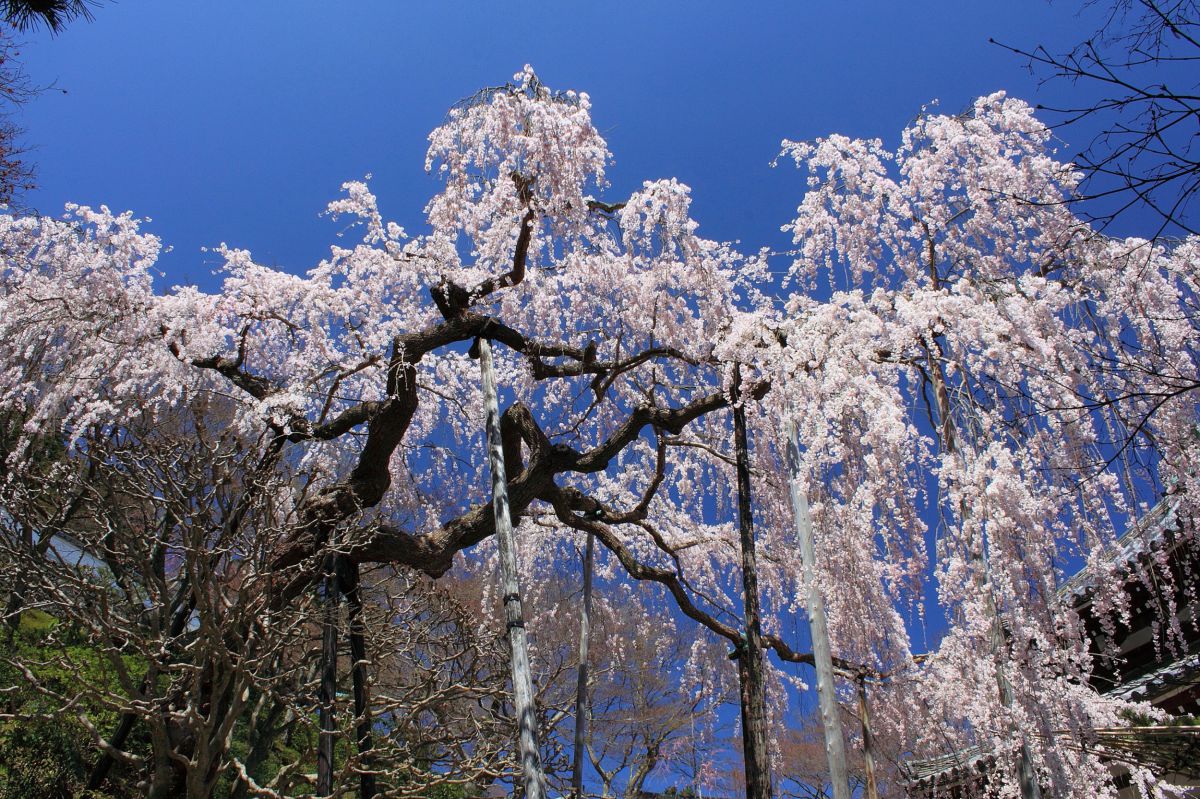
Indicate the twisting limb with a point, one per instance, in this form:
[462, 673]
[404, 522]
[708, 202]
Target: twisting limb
[579, 511]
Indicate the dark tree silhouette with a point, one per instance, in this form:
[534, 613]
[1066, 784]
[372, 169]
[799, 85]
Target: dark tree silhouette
[16, 176]
[1137, 75]
[26, 15]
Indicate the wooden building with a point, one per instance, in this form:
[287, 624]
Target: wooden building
[1137, 660]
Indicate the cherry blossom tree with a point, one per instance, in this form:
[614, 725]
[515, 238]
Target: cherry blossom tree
[651, 701]
[352, 384]
[985, 390]
[987, 360]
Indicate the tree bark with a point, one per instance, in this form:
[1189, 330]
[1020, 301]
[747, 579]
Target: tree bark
[358, 675]
[328, 690]
[864, 713]
[750, 657]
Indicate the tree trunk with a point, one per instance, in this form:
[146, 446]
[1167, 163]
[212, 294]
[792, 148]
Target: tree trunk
[328, 690]
[864, 713]
[522, 679]
[581, 685]
[358, 675]
[835, 748]
[750, 658]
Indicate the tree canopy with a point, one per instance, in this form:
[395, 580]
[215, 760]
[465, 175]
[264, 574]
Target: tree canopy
[987, 392]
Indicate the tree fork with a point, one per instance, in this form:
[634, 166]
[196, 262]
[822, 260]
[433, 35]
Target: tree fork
[184, 603]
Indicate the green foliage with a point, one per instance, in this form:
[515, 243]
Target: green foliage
[48, 753]
[36, 623]
[687, 792]
[41, 759]
[1137, 719]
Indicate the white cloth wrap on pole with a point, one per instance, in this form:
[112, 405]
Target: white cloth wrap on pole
[522, 679]
[835, 749]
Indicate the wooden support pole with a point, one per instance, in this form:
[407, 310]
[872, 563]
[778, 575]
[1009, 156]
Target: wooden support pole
[522, 679]
[581, 683]
[755, 748]
[835, 748]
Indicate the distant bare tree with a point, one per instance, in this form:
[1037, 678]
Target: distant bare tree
[1146, 154]
[16, 175]
[145, 555]
[646, 721]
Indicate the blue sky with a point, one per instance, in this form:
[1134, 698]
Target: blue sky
[237, 122]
